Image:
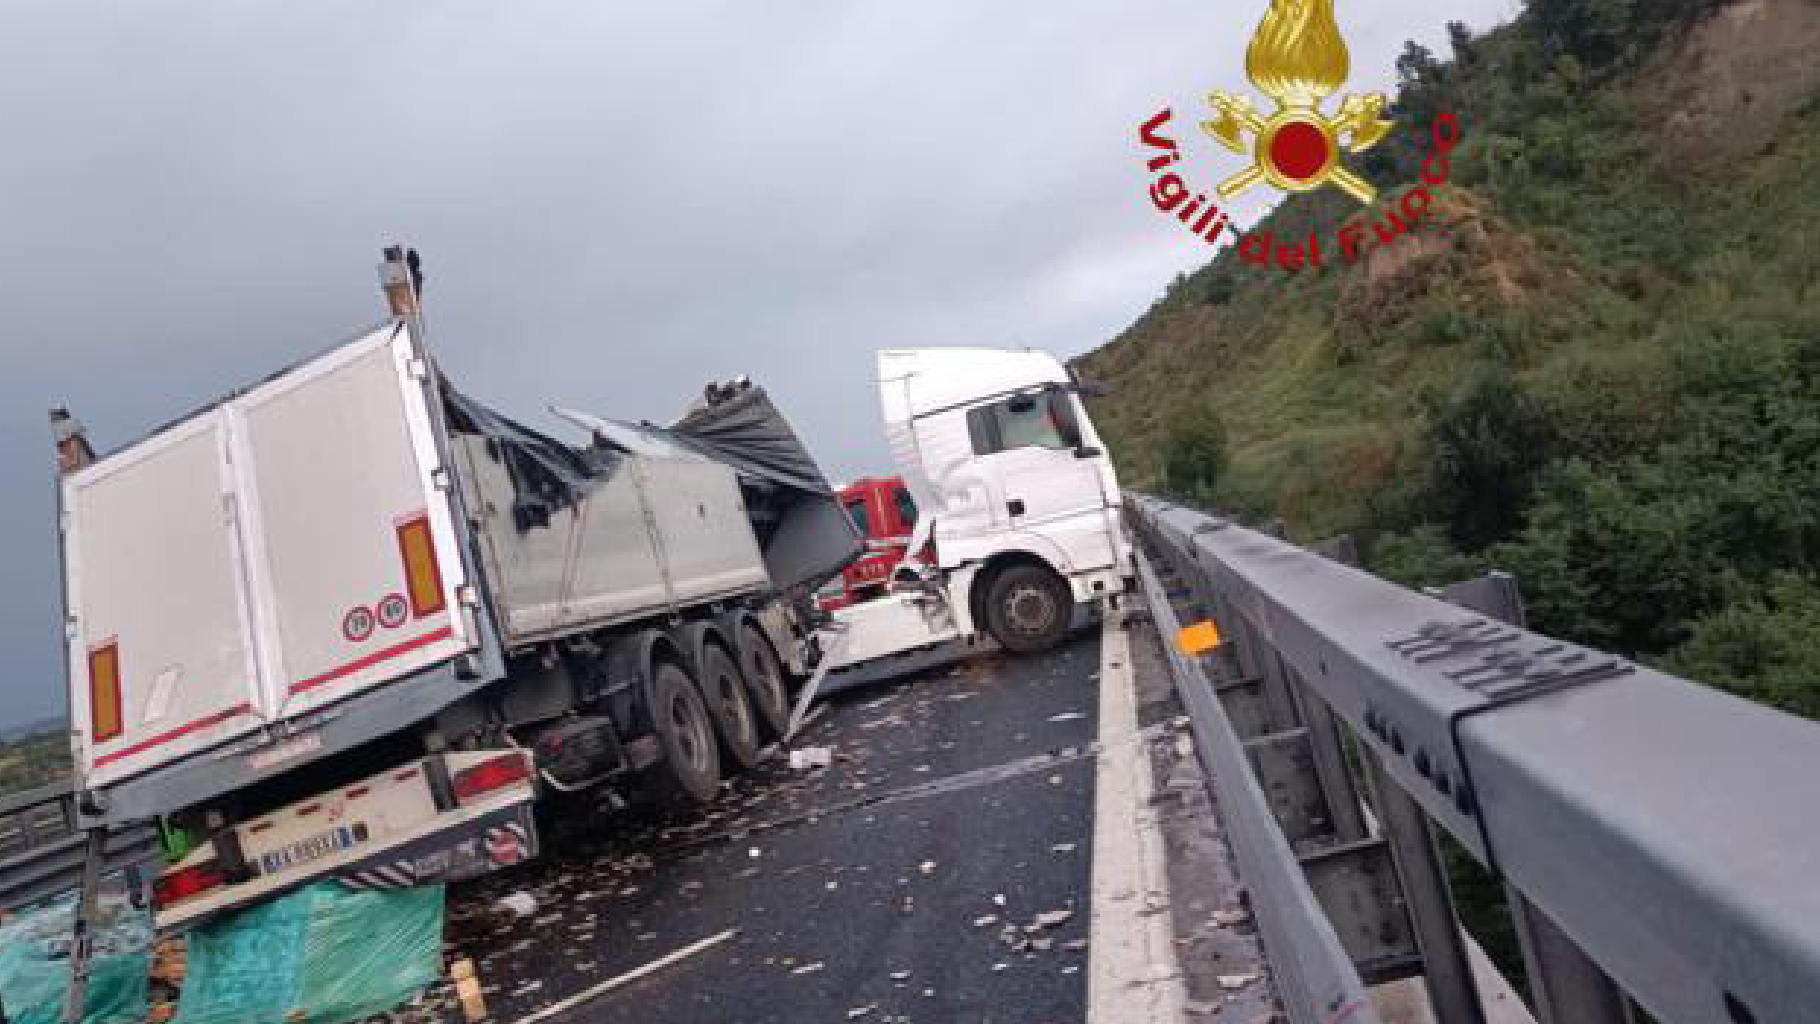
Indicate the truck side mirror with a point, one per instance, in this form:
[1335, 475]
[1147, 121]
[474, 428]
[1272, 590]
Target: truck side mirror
[1088, 452]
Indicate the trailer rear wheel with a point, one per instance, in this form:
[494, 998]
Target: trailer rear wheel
[728, 703]
[1028, 608]
[690, 770]
[764, 680]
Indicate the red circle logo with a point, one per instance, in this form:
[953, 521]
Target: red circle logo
[1299, 150]
[357, 624]
[393, 610]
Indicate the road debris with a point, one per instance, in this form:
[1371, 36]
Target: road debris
[1234, 982]
[803, 758]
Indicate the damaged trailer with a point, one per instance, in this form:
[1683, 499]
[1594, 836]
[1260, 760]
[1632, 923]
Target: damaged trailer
[350, 623]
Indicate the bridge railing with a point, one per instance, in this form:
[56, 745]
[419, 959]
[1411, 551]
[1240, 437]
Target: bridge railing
[1659, 840]
[43, 848]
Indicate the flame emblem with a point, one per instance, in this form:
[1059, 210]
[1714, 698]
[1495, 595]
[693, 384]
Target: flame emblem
[1298, 58]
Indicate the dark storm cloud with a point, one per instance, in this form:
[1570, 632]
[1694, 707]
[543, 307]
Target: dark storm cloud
[615, 202]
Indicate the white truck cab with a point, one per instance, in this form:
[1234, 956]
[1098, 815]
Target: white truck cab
[1016, 491]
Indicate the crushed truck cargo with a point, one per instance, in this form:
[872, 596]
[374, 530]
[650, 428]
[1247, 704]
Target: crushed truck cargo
[350, 623]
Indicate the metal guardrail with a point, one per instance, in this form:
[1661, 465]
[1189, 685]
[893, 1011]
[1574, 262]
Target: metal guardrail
[1652, 831]
[42, 846]
[1315, 978]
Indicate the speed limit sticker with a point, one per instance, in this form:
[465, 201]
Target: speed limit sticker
[393, 610]
[357, 624]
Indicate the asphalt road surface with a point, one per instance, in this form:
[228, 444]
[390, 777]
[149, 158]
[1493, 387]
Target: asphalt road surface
[939, 869]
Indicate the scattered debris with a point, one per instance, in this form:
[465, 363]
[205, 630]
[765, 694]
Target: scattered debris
[467, 990]
[519, 904]
[811, 757]
[1234, 982]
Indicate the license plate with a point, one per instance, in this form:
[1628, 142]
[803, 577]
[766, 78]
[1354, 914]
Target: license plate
[305, 850]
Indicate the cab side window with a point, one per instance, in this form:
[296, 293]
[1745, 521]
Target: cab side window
[906, 506]
[1024, 421]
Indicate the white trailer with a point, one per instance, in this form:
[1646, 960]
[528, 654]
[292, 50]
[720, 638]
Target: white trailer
[349, 623]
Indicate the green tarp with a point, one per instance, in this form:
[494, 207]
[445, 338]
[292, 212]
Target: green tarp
[35, 967]
[324, 952]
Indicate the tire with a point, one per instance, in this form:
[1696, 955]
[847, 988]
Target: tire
[765, 682]
[731, 708]
[690, 769]
[1028, 608]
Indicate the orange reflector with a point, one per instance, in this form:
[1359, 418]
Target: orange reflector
[1198, 638]
[104, 692]
[422, 576]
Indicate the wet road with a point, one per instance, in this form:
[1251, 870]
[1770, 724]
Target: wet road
[939, 869]
[957, 796]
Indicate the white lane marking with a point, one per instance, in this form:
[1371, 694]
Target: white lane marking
[1133, 976]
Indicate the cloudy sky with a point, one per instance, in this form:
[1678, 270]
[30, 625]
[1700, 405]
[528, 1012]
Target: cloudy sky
[615, 202]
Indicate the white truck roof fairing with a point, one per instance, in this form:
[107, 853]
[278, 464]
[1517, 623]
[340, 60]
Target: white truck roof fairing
[919, 382]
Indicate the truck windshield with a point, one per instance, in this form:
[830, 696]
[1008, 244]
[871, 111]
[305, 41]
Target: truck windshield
[857, 510]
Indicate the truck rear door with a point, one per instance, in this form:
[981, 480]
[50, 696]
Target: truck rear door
[161, 649]
[356, 563]
[285, 549]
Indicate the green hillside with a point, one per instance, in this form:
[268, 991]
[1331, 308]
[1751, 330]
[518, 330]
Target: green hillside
[1601, 371]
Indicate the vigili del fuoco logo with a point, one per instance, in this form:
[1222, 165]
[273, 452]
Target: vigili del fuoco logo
[1298, 59]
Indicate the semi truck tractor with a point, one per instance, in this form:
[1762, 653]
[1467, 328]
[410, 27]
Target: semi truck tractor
[350, 623]
[1012, 484]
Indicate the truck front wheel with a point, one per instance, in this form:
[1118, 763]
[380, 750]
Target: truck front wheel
[690, 770]
[1028, 608]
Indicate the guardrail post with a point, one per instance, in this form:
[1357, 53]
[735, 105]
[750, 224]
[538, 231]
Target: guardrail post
[1565, 986]
[1446, 971]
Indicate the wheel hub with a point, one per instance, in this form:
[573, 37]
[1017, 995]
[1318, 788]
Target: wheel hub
[1030, 610]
